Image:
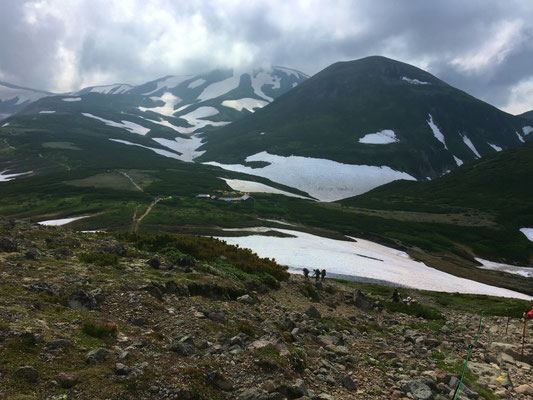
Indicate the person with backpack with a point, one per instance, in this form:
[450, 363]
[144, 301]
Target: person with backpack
[528, 315]
[317, 275]
[396, 296]
[323, 275]
[306, 274]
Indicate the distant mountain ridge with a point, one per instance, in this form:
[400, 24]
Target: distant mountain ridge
[373, 111]
[14, 98]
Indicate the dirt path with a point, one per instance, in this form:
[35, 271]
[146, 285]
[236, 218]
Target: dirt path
[136, 221]
[125, 174]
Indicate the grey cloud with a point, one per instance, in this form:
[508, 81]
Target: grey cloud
[194, 36]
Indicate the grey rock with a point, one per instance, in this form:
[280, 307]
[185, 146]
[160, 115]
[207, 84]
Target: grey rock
[246, 299]
[82, 300]
[418, 389]
[67, 380]
[348, 383]
[360, 300]
[27, 373]
[297, 389]
[7, 245]
[313, 312]
[58, 344]
[216, 379]
[32, 254]
[99, 354]
[454, 382]
[154, 262]
[121, 369]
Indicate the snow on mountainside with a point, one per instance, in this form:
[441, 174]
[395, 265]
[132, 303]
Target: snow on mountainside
[13, 98]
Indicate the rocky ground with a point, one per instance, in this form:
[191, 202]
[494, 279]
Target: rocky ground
[146, 328]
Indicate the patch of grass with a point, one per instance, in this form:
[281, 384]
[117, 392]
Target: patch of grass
[309, 291]
[100, 330]
[100, 259]
[198, 385]
[416, 309]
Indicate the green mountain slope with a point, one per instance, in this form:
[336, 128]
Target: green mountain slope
[327, 115]
[527, 115]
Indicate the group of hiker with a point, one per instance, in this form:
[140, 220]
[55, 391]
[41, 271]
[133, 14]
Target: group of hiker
[320, 275]
[396, 297]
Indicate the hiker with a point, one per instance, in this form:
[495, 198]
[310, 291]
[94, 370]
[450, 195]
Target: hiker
[323, 275]
[317, 275]
[396, 296]
[528, 315]
[306, 274]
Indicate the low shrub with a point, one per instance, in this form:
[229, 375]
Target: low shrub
[416, 309]
[100, 330]
[99, 259]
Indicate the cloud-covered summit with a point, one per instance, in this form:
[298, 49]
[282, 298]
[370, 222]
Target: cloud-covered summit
[484, 47]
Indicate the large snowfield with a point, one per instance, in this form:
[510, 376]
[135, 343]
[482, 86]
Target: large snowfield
[247, 103]
[62, 221]
[363, 259]
[127, 125]
[187, 147]
[323, 179]
[528, 232]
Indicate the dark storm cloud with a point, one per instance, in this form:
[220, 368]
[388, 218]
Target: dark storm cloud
[483, 47]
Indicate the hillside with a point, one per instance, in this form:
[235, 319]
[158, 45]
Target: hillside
[14, 98]
[527, 115]
[93, 316]
[369, 112]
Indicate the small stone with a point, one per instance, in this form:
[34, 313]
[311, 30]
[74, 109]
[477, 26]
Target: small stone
[99, 354]
[220, 381]
[297, 389]
[246, 299]
[313, 312]
[58, 344]
[154, 262]
[27, 373]
[121, 369]
[67, 380]
[524, 389]
[270, 386]
[348, 383]
[82, 300]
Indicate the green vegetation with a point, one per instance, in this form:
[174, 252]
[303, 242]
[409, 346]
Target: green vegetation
[415, 309]
[100, 259]
[100, 330]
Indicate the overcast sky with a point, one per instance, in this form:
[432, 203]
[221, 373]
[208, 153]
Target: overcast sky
[484, 47]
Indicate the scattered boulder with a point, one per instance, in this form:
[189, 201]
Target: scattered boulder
[297, 389]
[99, 354]
[32, 254]
[348, 383]
[313, 312]
[7, 245]
[155, 291]
[524, 389]
[246, 299]
[418, 388]
[361, 301]
[218, 380]
[58, 344]
[67, 380]
[82, 300]
[27, 373]
[154, 262]
[184, 347]
[121, 369]
[186, 262]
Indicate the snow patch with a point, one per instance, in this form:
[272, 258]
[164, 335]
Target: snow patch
[195, 118]
[128, 125]
[458, 161]
[22, 95]
[62, 221]
[510, 269]
[247, 103]
[257, 187]
[219, 88]
[187, 147]
[4, 176]
[168, 109]
[436, 131]
[470, 145]
[385, 136]
[520, 137]
[72, 99]
[528, 232]
[169, 83]
[110, 89]
[46, 112]
[414, 81]
[261, 79]
[6, 124]
[196, 83]
[155, 150]
[527, 130]
[363, 259]
[497, 148]
[323, 179]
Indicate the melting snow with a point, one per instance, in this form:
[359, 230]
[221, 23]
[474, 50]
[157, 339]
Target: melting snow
[6, 124]
[528, 232]
[46, 112]
[158, 151]
[195, 118]
[414, 81]
[72, 99]
[497, 148]
[111, 89]
[196, 83]
[458, 161]
[289, 71]
[247, 103]
[520, 137]
[129, 126]
[63, 221]
[168, 109]
[169, 83]
[4, 176]
[527, 130]
[385, 136]
[187, 147]
[323, 179]
[257, 187]
[510, 269]
[470, 145]
[436, 131]
[22, 95]
[219, 88]
[360, 259]
[261, 79]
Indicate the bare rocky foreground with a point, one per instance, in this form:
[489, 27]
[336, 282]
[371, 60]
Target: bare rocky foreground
[147, 328]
